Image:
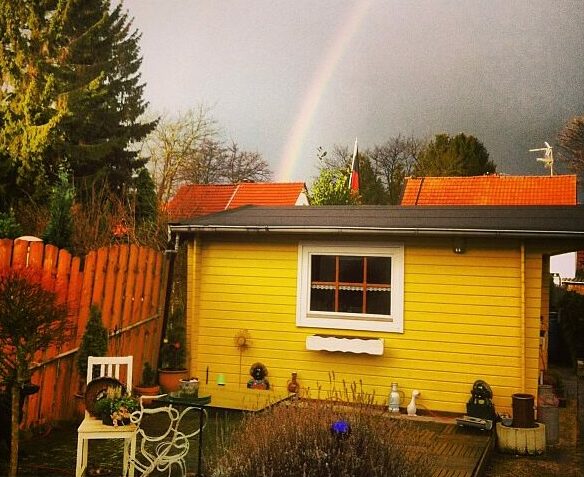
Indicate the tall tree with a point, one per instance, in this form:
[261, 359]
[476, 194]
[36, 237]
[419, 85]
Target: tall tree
[31, 102]
[460, 155]
[146, 207]
[175, 144]
[187, 149]
[393, 161]
[329, 188]
[71, 94]
[571, 144]
[243, 166]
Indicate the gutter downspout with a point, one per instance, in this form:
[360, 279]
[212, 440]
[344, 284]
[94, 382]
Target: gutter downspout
[171, 256]
[523, 319]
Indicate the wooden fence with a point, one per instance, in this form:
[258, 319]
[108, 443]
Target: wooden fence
[124, 281]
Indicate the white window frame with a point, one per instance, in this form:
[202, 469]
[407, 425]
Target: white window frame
[351, 321]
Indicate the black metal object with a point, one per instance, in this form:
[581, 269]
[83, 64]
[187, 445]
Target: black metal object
[480, 404]
[480, 410]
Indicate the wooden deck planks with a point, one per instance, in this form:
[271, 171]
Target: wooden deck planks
[461, 452]
[456, 451]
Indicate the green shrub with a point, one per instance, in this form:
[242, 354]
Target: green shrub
[571, 308]
[9, 226]
[297, 440]
[59, 231]
[148, 375]
[93, 343]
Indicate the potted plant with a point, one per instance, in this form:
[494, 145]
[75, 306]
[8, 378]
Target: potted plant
[173, 354]
[148, 386]
[115, 407]
[93, 343]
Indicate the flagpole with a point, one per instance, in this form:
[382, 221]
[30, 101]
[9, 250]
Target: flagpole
[354, 177]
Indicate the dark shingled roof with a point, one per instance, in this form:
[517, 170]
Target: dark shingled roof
[510, 221]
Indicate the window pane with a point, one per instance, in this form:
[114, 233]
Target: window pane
[379, 270]
[350, 301]
[351, 269]
[379, 302]
[322, 299]
[323, 268]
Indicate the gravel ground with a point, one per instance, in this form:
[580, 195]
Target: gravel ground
[565, 460]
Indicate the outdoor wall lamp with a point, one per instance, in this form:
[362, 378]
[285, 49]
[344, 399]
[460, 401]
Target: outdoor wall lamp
[459, 246]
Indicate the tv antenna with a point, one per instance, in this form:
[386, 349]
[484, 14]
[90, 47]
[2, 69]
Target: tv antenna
[548, 157]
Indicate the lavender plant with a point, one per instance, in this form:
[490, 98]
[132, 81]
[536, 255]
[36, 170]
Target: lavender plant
[348, 437]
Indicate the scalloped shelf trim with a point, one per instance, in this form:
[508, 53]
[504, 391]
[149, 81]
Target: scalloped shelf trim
[345, 344]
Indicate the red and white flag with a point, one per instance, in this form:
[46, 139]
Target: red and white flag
[354, 178]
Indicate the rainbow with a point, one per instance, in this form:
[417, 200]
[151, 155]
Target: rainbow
[309, 105]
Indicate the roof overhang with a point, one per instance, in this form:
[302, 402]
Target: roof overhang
[519, 222]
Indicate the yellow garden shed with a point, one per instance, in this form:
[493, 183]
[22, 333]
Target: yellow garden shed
[431, 298]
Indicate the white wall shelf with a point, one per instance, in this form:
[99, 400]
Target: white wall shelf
[345, 344]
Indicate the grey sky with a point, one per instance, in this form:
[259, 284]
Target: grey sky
[284, 77]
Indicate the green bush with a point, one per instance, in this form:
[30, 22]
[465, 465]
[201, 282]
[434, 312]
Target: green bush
[148, 375]
[59, 231]
[571, 308]
[9, 226]
[93, 343]
[297, 440]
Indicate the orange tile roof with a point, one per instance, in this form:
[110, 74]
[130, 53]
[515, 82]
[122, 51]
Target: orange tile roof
[260, 193]
[201, 199]
[491, 190]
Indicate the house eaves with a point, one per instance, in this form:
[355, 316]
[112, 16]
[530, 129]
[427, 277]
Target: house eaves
[523, 222]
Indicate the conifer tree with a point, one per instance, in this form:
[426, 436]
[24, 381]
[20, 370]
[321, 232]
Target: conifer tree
[146, 202]
[72, 93]
[93, 343]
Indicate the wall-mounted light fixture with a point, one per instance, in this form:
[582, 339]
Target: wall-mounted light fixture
[459, 246]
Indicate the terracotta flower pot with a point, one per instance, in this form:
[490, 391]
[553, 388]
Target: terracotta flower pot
[146, 390]
[169, 379]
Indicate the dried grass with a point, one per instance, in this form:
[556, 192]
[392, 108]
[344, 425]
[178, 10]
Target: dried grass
[296, 440]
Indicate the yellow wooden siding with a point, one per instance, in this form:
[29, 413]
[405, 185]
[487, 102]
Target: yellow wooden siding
[192, 309]
[462, 318]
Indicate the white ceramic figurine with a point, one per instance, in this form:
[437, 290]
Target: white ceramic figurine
[412, 405]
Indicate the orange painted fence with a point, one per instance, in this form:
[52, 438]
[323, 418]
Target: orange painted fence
[124, 281]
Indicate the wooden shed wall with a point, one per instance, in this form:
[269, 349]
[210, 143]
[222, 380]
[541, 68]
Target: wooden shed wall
[462, 321]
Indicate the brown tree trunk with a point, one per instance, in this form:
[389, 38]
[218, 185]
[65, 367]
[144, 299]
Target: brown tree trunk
[13, 469]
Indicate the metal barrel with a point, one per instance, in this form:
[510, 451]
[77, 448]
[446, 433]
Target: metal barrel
[523, 414]
[550, 416]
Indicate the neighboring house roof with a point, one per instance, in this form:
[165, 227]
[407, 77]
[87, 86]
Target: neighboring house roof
[201, 199]
[491, 221]
[491, 190]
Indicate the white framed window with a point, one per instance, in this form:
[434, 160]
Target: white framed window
[350, 286]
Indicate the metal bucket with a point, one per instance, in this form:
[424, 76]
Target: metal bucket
[523, 414]
[550, 416]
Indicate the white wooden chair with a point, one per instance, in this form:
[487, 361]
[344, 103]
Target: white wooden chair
[92, 428]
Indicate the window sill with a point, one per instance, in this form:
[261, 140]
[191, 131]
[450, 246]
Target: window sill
[345, 344]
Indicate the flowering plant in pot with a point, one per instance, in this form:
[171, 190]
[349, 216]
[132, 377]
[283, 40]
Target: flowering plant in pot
[115, 408]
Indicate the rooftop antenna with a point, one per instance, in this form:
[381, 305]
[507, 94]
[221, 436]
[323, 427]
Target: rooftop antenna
[548, 156]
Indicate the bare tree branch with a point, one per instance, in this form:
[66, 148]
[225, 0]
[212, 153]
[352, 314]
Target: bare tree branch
[571, 144]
